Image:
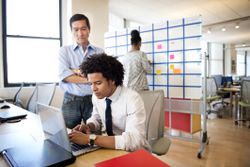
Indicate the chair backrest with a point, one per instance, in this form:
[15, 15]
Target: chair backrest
[16, 99]
[218, 80]
[18, 91]
[43, 94]
[153, 102]
[211, 86]
[243, 78]
[245, 91]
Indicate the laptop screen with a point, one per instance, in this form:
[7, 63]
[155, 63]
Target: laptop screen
[53, 125]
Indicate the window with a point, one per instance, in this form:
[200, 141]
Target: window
[241, 63]
[31, 40]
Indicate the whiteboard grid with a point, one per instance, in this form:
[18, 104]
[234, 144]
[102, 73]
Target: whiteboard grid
[174, 49]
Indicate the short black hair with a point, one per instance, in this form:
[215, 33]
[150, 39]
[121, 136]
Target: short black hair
[135, 37]
[109, 66]
[77, 17]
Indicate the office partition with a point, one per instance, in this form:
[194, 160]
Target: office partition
[174, 48]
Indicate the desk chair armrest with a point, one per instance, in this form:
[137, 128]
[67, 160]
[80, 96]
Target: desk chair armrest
[161, 146]
[244, 104]
[212, 98]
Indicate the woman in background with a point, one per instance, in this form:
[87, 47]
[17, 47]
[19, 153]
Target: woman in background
[136, 65]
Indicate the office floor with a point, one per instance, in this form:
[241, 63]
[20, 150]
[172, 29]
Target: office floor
[229, 146]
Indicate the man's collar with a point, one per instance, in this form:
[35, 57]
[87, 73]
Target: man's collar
[75, 45]
[116, 93]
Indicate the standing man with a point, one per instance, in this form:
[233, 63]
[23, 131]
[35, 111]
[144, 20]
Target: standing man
[119, 110]
[77, 105]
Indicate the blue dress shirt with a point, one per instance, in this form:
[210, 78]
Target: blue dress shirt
[71, 57]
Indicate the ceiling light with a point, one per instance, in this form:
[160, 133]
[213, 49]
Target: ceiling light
[209, 31]
[237, 26]
[223, 29]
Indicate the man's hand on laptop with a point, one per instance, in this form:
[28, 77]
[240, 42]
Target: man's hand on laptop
[79, 137]
[82, 128]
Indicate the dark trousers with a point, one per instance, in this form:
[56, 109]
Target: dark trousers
[76, 108]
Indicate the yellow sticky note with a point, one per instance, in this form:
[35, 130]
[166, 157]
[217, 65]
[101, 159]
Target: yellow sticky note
[171, 66]
[158, 72]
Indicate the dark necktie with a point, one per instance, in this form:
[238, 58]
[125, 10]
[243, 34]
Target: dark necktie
[108, 117]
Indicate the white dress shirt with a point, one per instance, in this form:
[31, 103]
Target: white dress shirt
[128, 118]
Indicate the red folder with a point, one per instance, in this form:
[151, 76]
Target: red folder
[139, 158]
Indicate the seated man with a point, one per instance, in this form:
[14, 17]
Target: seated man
[118, 109]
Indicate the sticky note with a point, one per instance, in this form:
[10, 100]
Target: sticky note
[158, 72]
[159, 46]
[171, 56]
[172, 66]
[177, 71]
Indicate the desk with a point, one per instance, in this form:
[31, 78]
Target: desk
[89, 159]
[233, 91]
[32, 126]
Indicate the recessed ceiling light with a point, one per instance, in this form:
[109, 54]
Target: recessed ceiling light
[209, 31]
[237, 26]
[223, 29]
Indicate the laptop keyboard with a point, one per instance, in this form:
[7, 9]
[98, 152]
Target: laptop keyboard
[77, 147]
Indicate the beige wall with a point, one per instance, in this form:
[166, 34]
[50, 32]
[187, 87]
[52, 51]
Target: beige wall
[97, 12]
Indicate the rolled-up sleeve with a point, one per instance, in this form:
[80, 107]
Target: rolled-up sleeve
[64, 66]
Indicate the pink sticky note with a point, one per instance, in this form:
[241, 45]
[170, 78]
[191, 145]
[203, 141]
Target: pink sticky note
[171, 56]
[159, 46]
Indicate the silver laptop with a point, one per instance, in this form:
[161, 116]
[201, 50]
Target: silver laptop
[55, 130]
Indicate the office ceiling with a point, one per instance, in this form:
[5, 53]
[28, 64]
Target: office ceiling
[215, 14]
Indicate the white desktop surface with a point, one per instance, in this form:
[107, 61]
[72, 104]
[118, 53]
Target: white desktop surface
[30, 130]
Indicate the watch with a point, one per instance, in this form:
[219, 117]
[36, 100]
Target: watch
[92, 138]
